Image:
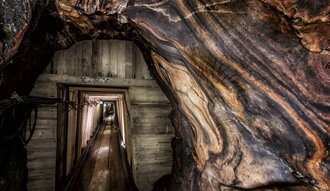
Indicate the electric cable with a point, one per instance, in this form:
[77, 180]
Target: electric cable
[16, 116]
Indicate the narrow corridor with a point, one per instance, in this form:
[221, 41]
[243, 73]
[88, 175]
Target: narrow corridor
[102, 169]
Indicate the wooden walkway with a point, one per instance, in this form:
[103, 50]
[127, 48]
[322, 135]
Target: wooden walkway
[102, 169]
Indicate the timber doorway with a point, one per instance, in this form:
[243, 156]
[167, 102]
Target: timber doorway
[91, 122]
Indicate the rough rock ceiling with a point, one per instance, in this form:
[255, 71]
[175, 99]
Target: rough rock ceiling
[249, 80]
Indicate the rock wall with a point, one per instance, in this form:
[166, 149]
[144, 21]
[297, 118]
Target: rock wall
[249, 80]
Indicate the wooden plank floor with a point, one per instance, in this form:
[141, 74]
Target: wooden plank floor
[116, 174]
[103, 168]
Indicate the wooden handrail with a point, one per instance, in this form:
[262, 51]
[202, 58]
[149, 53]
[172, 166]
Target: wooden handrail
[73, 175]
[126, 166]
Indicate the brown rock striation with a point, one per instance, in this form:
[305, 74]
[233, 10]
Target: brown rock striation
[249, 79]
[311, 19]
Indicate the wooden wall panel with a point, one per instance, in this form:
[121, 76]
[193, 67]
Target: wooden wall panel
[152, 134]
[68, 58]
[59, 62]
[105, 58]
[42, 151]
[121, 59]
[147, 95]
[42, 147]
[154, 121]
[96, 58]
[44, 89]
[140, 70]
[86, 58]
[47, 113]
[76, 59]
[102, 58]
[153, 158]
[128, 60]
[114, 58]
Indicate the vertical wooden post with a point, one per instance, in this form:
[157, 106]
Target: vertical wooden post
[62, 122]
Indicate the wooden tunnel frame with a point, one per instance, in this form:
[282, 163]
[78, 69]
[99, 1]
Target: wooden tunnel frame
[119, 95]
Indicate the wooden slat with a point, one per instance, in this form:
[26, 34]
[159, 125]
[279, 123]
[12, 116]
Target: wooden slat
[41, 154]
[128, 59]
[137, 65]
[151, 111]
[148, 95]
[39, 175]
[44, 185]
[76, 59]
[69, 61]
[47, 112]
[160, 128]
[96, 61]
[121, 59]
[46, 123]
[79, 80]
[44, 89]
[105, 58]
[59, 62]
[152, 158]
[44, 134]
[114, 58]
[41, 145]
[86, 60]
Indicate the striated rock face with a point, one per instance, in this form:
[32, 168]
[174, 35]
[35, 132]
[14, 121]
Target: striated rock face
[310, 19]
[249, 81]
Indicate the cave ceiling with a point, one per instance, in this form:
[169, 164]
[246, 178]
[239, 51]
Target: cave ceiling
[248, 80]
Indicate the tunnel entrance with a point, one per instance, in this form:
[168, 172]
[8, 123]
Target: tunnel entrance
[86, 121]
[93, 71]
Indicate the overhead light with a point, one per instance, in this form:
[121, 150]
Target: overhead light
[101, 102]
[123, 144]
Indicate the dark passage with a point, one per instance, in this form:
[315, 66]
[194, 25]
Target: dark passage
[105, 167]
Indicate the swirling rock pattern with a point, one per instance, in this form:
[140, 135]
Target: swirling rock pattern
[249, 78]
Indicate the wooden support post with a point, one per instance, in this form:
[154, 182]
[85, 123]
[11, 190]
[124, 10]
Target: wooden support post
[62, 121]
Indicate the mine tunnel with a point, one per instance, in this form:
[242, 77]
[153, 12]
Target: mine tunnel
[164, 95]
[120, 102]
[108, 128]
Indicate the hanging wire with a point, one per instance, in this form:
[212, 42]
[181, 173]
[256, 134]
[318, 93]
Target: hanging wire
[77, 106]
[16, 117]
[31, 126]
[18, 114]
